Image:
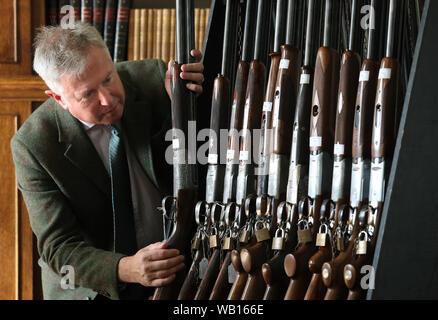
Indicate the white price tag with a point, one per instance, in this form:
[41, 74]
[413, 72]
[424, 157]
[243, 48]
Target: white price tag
[305, 78]
[315, 141]
[244, 155]
[385, 73]
[212, 158]
[284, 63]
[364, 76]
[267, 106]
[230, 154]
[339, 148]
[175, 143]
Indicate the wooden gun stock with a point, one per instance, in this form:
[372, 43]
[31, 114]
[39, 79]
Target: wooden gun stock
[239, 284]
[209, 278]
[252, 259]
[179, 240]
[191, 282]
[222, 286]
[326, 79]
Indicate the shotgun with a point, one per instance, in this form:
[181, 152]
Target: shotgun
[216, 170]
[321, 138]
[330, 237]
[178, 210]
[382, 148]
[227, 274]
[251, 121]
[360, 171]
[255, 256]
[283, 240]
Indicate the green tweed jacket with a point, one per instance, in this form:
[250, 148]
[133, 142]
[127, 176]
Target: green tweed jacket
[67, 189]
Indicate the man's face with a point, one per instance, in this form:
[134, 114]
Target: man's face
[97, 96]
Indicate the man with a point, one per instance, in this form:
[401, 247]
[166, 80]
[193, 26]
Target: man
[62, 155]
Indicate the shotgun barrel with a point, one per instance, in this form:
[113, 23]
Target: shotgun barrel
[382, 148]
[178, 210]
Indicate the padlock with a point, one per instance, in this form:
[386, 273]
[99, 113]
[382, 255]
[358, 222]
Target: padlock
[321, 237]
[362, 244]
[278, 240]
[214, 239]
[262, 234]
[340, 243]
[244, 236]
[228, 243]
[196, 243]
[304, 235]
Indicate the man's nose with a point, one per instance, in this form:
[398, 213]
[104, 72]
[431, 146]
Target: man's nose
[105, 97]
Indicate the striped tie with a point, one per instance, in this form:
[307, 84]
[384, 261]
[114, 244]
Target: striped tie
[123, 220]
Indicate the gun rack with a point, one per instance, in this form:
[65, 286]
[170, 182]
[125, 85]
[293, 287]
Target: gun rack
[406, 255]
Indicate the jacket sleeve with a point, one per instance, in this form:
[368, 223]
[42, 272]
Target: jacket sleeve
[59, 238]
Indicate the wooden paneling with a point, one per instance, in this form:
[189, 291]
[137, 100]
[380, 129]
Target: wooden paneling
[15, 37]
[8, 36]
[9, 215]
[17, 279]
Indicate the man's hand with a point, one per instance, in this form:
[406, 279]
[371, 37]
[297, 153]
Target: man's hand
[190, 72]
[152, 266]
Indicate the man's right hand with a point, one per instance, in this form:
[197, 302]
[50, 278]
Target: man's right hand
[152, 266]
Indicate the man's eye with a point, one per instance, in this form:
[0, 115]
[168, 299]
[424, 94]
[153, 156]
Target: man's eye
[108, 80]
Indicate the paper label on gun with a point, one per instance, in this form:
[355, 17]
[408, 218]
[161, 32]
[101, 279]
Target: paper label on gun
[267, 106]
[339, 149]
[284, 63]
[305, 78]
[244, 155]
[175, 143]
[212, 158]
[315, 142]
[364, 76]
[385, 73]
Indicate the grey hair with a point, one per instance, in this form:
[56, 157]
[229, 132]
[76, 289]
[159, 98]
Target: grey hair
[60, 51]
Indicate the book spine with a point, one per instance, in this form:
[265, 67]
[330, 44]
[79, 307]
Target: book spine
[76, 4]
[141, 33]
[62, 3]
[121, 36]
[131, 36]
[87, 11]
[166, 36]
[99, 15]
[150, 34]
[197, 26]
[158, 33]
[202, 28]
[52, 12]
[172, 46]
[110, 25]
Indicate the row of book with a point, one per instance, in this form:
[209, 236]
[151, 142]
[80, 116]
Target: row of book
[152, 33]
[131, 34]
[109, 17]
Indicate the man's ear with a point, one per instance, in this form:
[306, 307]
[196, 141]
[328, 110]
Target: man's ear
[57, 98]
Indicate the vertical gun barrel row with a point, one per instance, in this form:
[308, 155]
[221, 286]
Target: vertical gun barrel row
[292, 206]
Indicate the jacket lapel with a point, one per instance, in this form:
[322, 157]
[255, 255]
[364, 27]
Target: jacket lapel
[80, 151]
[136, 123]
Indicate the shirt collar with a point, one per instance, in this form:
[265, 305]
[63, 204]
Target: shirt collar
[87, 125]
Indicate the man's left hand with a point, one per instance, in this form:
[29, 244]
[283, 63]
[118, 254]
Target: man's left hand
[191, 72]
